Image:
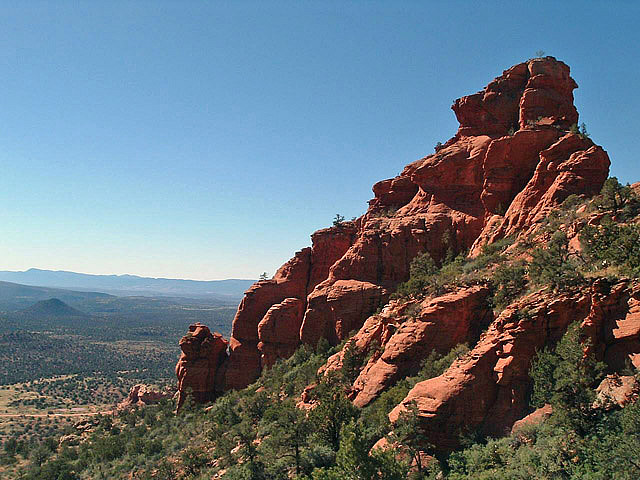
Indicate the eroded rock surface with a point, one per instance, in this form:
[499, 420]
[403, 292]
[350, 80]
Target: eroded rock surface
[512, 160]
[202, 358]
[141, 395]
[436, 324]
[486, 390]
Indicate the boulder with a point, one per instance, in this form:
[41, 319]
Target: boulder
[536, 417]
[141, 395]
[617, 391]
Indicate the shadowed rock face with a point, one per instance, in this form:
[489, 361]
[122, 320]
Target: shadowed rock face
[203, 355]
[511, 161]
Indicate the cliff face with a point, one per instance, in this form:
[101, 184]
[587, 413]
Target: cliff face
[513, 159]
[486, 390]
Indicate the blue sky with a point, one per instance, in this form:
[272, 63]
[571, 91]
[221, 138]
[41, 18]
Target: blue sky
[207, 140]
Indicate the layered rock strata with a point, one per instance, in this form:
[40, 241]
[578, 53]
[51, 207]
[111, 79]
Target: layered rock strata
[487, 389]
[513, 159]
[406, 332]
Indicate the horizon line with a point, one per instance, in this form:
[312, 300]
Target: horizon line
[124, 275]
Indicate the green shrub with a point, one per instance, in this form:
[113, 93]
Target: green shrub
[553, 265]
[352, 362]
[583, 131]
[422, 272]
[612, 244]
[566, 379]
[193, 460]
[509, 281]
[617, 199]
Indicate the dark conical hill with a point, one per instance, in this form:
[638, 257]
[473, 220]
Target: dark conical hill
[53, 307]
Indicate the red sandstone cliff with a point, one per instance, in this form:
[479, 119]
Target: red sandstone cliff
[511, 161]
[486, 390]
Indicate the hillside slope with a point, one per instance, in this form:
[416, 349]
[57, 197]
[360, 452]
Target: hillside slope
[53, 307]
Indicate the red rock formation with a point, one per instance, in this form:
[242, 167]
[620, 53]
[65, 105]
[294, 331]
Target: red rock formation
[279, 330]
[200, 361]
[375, 332]
[141, 395]
[486, 390]
[536, 417]
[262, 328]
[437, 324]
[572, 165]
[613, 324]
[617, 391]
[513, 153]
[335, 310]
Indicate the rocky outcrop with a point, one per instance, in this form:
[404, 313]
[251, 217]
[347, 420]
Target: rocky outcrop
[613, 324]
[335, 310]
[279, 330]
[512, 159]
[617, 391]
[198, 369]
[487, 389]
[268, 321]
[435, 324]
[572, 165]
[141, 395]
[538, 416]
[523, 95]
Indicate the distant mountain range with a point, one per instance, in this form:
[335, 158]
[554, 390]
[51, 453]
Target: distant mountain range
[14, 296]
[231, 289]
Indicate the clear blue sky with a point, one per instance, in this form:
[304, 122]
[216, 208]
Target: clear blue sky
[207, 140]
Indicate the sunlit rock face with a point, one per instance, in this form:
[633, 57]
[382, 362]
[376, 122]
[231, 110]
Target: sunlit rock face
[512, 160]
[486, 390]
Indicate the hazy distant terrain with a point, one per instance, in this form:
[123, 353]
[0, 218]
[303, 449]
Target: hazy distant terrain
[14, 296]
[69, 351]
[231, 289]
[109, 317]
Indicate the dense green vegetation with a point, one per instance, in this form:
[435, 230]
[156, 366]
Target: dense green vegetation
[26, 356]
[120, 335]
[492, 267]
[255, 433]
[260, 433]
